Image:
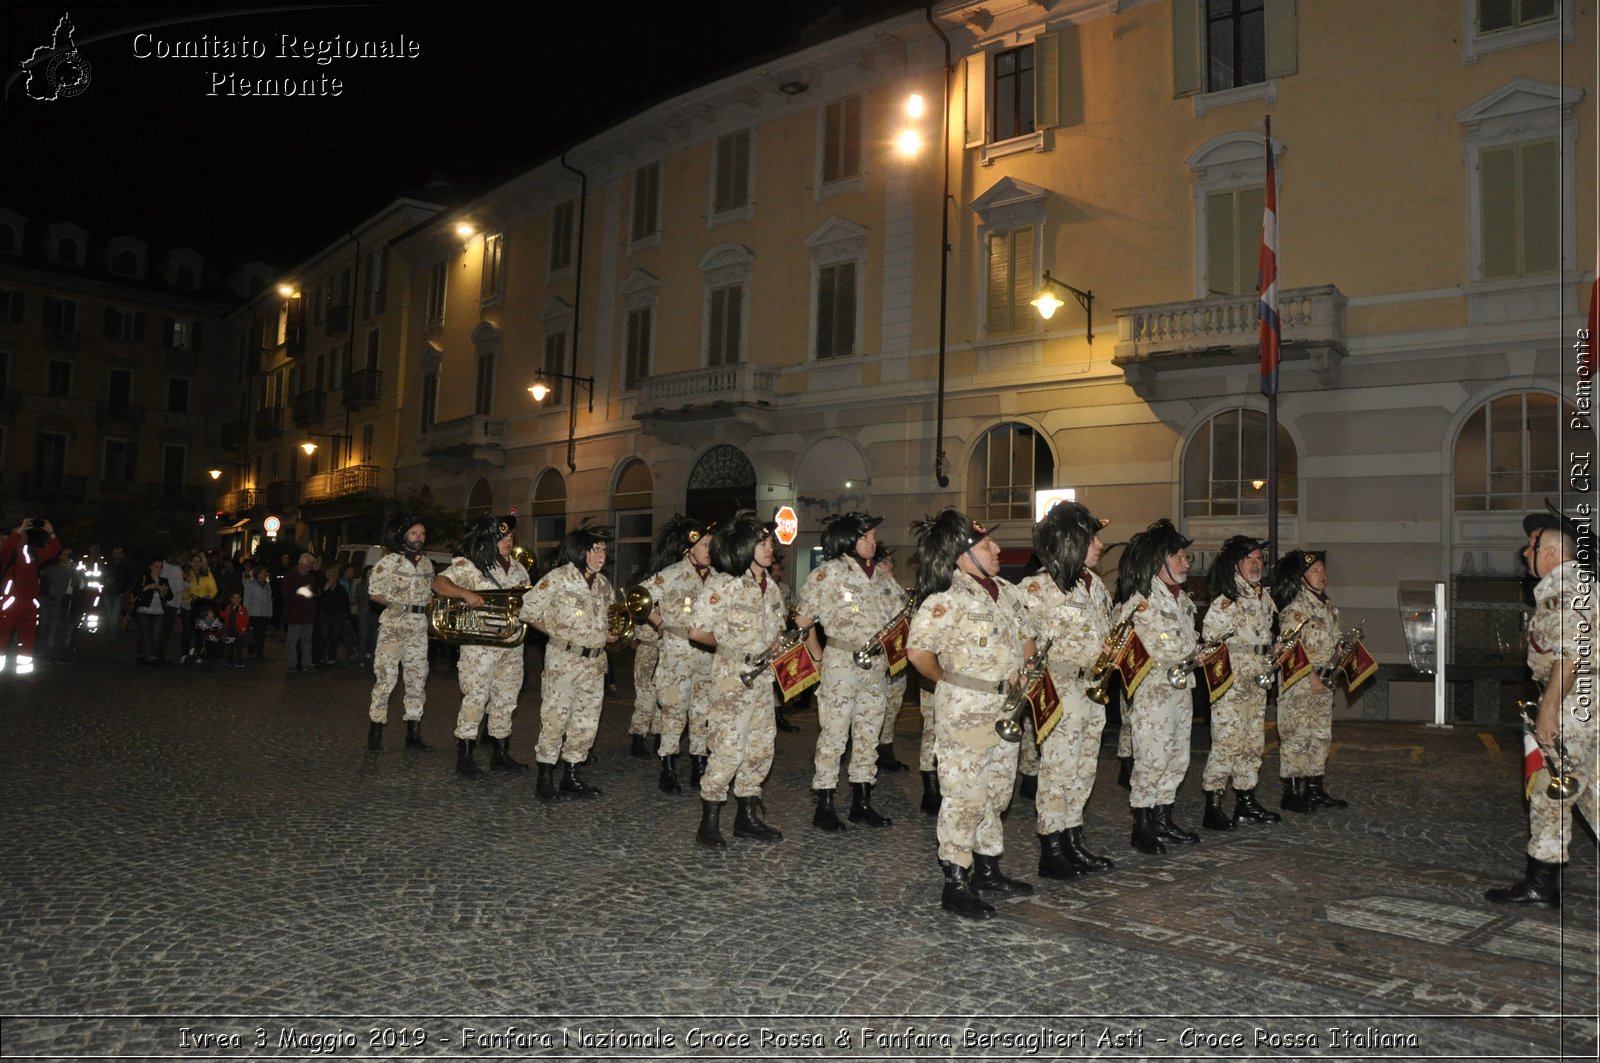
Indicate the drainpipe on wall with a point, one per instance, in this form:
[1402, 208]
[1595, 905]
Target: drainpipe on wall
[944, 256]
[577, 317]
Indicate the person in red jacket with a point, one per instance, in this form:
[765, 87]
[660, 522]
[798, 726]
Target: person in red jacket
[30, 544]
[235, 628]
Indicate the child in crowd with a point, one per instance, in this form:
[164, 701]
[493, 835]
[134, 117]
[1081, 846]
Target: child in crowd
[236, 629]
[208, 634]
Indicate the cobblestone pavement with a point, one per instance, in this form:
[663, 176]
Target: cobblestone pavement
[196, 854]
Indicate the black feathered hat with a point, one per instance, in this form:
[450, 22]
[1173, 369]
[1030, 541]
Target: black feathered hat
[1146, 553]
[733, 545]
[1061, 541]
[394, 539]
[479, 543]
[576, 544]
[841, 532]
[1290, 570]
[941, 541]
[1223, 579]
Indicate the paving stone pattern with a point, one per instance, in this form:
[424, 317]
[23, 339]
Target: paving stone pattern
[195, 851]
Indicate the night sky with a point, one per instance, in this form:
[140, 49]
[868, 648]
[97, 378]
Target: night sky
[145, 149]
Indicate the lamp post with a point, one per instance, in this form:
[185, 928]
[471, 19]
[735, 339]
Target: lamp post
[541, 388]
[1047, 303]
[310, 447]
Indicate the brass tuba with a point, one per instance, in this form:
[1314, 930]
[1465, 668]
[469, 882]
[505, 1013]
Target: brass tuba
[497, 622]
[635, 608]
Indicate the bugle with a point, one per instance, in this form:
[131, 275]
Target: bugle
[1563, 784]
[1265, 679]
[1347, 642]
[1098, 689]
[780, 646]
[1178, 674]
[1017, 705]
[874, 647]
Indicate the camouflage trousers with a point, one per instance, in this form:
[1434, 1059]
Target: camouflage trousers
[1028, 749]
[850, 704]
[977, 771]
[572, 690]
[683, 694]
[1067, 762]
[741, 735]
[644, 688]
[1238, 735]
[1125, 732]
[491, 680]
[1161, 717]
[402, 643]
[1550, 820]
[927, 758]
[892, 700]
[1305, 730]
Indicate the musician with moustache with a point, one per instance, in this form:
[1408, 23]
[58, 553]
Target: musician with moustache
[1243, 610]
[683, 671]
[490, 676]
[1305, 709]
[971, 636]
[401, 582]
[1150, 590]
[1070, 605]
[741, 613]
[846, 596]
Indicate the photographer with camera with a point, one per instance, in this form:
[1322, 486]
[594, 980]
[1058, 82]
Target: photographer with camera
[30, 544]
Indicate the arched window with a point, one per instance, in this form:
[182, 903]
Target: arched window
[549, 514]
[1507, 456]
[1225, 468]
[126, 263]
[721, 484]
[66, 251]
[1009, 463]
[481, 500]
[631, 505]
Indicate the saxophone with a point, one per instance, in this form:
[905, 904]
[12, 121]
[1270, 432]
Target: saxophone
[497, 622]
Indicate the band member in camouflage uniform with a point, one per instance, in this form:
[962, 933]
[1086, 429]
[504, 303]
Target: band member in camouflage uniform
[1560, 655]
[570, 604]
[1150, 589]
[646, 651]
[778, 570]
[1069, 604]
[683, 671]
[846, 596]
[1242, 609]
[490, 676]
[971, 636]
[740, 612]
[896, 694]
[1305, 710]
[401, 582]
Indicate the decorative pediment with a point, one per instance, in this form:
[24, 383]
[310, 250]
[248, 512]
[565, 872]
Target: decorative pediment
[556, 311]
[726, 254]
[1010, 195]
[1522, 102]
[640, 282]
[1227, 152]
[486, 336]
[837, 239]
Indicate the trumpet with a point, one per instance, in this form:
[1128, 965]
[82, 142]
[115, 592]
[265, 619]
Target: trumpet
[780, 646]
[1346, 643]
[1099, 674]
[1563, 784]
[1016, 706]
[1265, 679]
[635, 607]
[1178, 674]
[874, 647]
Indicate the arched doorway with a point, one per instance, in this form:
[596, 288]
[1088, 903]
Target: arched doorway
[631, 509]
[723, 482]
[548, 512]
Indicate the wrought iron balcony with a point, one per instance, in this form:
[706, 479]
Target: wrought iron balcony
[350, 480]
[361, 388]
[245, 498]
[308, 408]
[269, 422]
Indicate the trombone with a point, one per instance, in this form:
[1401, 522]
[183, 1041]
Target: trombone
[1265, 679]
[1563, 784]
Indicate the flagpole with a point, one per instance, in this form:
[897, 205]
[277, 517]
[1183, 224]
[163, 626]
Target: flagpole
[1270, 335]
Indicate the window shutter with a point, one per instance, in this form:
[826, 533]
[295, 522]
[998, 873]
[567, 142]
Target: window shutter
[1220, 229]
[1282, 37]
[1541, 208]
[827, 278]
[735, 316]
[998, 316]
[714, 340]
[977, 113]
[1021, 278]
[845, 331]
[1251, 205]
[1047, 81]
[167, 328]
[1497, 211]
[1188, 65]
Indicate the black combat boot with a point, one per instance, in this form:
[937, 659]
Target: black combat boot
[748, 822]
[500, 758]
[1053, 859]
[1145, 838]
[931, 797]
[669, 775]
[1317, 795]
[1295, 798]
[986, 876]
[710, 832]
[1030, 787]
[783, 722]
[546, 786]
[1540, 886]
[697, 768]
[826, 818]
[861, 810]
[887, 761]
[1072, 845]
[959, 896]
[375, 737]
[572, 784]
[1246, 809]
[1169, 830]
[414, 737]
[1125, 772]
[465, 765]
[1215, 818]
[638, 748]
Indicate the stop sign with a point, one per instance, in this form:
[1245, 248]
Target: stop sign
[788, 525]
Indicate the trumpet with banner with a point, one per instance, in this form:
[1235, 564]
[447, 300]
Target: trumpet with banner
[791, 663]
[1034, 693]
[1563, 785]
[1123, 654]
[1212, 657]
[1350, 659]
[890, 641]
[1283, 649]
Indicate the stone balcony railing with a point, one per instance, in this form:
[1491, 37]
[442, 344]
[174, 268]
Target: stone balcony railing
[476, 437]
[743, 384]
[1223, 330]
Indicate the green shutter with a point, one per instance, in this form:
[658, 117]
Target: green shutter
[1250, 205]
[845, 330]
[1220, 229]
[1188, 66]
[1541, 208]
[976, 114]
[826, 280]
[1282, 37]
[1021, 278]
[998, 299]
[1047, 81]
[1497, 192]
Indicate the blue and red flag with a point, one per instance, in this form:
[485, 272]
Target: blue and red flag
[1267, 281]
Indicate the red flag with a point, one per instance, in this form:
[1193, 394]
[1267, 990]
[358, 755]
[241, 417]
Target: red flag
[795, 671]
[1218, 670]
[1532, 760]
[1046, 706]
[1358, 666]
[894, 646]
[1133, 663]
[1296, 666]
[1267, 280]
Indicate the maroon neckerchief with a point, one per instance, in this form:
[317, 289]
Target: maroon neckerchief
[701, 572]
[588, 577]
[990, 587]
[1176, 589]
[761, 581]
[866, 566]
[1323, 598]
[1088, 581]
[413, 557]
[505, 563]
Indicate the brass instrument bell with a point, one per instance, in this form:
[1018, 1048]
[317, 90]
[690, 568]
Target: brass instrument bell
[1563, 784]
